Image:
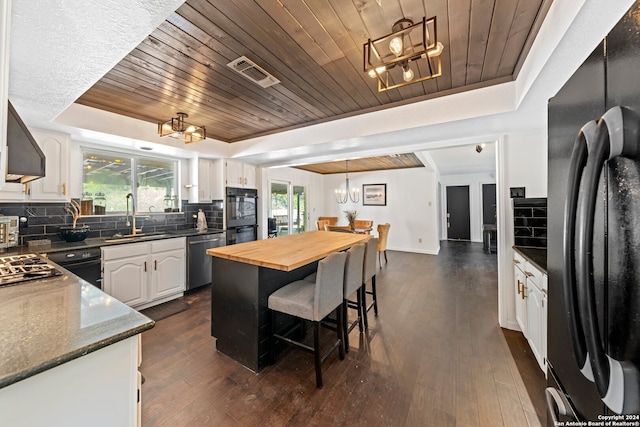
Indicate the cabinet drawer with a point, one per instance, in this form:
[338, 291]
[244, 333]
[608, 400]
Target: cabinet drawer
[168, 244]
[534, 276]
[519, 261]
[124, 251]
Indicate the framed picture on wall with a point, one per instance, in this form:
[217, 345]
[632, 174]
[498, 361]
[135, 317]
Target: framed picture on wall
[374, 194]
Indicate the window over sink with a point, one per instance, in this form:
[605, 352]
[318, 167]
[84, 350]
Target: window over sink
[152, 181]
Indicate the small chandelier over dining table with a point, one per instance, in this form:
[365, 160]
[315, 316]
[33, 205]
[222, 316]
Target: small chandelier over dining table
[343, 195]
[177, 128]
[410, 54]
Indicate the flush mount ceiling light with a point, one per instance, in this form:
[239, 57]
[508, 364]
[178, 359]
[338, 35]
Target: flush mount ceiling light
[343, 195]
[179, 129]
[410, 54]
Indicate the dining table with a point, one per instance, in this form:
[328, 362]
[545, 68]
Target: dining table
[245, 274]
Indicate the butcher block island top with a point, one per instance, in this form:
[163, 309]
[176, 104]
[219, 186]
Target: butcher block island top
[287, 253]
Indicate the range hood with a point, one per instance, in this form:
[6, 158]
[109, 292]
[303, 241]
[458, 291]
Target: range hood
[25, 159]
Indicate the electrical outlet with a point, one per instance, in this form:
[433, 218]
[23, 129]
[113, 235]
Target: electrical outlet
[420, 240]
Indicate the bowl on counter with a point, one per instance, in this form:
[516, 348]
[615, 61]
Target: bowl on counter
[74, 234]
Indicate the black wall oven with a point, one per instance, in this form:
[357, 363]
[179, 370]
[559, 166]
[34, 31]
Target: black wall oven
[242, 218]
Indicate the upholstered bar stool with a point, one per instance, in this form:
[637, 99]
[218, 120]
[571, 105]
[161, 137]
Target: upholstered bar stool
[369, 273]
[353, 284]
[313, 302]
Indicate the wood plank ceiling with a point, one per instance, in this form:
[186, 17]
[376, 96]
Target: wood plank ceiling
[314, 47]
[394, 161]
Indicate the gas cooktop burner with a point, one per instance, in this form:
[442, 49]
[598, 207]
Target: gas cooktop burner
[21, 268]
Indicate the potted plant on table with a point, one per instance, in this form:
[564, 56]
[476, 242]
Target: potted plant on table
[74, 233]
[351, 217]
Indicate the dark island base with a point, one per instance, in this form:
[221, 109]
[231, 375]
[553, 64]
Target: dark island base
[240, 319]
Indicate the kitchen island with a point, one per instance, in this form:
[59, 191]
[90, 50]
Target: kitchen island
[244, 276]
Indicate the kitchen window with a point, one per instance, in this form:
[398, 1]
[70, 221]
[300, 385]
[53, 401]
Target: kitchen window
[151, 180]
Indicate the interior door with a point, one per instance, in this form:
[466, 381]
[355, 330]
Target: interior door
[298, 209]
[489, 204]
[458, 215]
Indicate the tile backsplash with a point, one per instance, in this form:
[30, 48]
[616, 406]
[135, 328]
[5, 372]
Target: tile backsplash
[43, 220]
[530, 222]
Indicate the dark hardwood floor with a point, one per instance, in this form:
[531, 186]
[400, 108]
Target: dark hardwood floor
[435, 356]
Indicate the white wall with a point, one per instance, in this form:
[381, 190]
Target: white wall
[525, 165]
[474, 181]
[411, 206]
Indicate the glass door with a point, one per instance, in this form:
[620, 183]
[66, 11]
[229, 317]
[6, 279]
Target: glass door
[280, 206]
[288, 208]
[299, 209]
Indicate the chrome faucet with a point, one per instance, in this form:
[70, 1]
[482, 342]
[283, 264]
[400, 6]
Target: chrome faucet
[132, 223]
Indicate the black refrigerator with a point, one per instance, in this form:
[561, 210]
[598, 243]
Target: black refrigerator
[593, 240]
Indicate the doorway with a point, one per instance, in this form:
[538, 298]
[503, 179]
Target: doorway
[458, 213]
[288, 206]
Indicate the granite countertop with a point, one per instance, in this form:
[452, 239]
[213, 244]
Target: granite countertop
[48, 322]
[98, 242]
[537, 256]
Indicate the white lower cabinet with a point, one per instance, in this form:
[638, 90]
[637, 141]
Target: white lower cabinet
[144, 274]
[531, 307]
[521, 302]
[99, 389]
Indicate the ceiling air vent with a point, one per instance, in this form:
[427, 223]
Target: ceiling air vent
[248, 69]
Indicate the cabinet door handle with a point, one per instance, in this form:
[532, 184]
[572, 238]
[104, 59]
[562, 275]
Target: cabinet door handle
[64, 188]
[519, 291]
[240, 180]
[515, 261]
[528, 273]
[524, 288]
[145, 266]
[155, 264]
[245, 181]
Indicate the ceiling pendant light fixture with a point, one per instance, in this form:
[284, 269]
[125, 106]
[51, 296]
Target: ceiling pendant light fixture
[343, 195]
[410, 50]
[177, 128]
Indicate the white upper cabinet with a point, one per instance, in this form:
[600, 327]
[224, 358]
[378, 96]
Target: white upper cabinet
[207, 180]
[54, 187]
[55, 184]
[5, 30]
[240, 175]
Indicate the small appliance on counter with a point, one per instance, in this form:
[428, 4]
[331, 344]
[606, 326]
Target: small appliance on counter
[9, 232]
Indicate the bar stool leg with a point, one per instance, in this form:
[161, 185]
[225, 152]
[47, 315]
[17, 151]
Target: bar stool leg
[340, 331]
[359, 304]
[375, 295]
[363, 307]
[272, 341]
[316, 353]
[345, 324]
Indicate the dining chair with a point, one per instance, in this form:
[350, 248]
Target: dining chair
[312, 301]
[364, 224]
[321, 223]
[369, 274]
[333, 220]
[383, 233]
[339, 228]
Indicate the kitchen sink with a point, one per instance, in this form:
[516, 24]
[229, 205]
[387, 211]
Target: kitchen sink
[137, 238]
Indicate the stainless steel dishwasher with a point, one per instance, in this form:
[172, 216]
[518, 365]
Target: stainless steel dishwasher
[199, 263]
